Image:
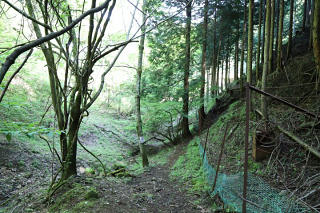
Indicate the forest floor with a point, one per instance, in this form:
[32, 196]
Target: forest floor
[26, 169]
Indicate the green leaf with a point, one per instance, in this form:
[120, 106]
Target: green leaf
[9, 137]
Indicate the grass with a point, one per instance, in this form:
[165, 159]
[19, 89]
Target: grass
[188, 169]
[158, 159]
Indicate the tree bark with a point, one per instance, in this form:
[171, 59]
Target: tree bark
[316, 38]
[271, 35]
[243, 45]
[280, 30]
[185, 120]
[143, 152]
[289, 48]
[259, 41]
[250, 42]
[236, 54]
[214, 55]
[312, 2]
[264, 31]
[304, 15]
[266, 60]
[203, 64]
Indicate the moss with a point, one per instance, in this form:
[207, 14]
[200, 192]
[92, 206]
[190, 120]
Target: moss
[77, 197]
[92, 194]
[84, 206]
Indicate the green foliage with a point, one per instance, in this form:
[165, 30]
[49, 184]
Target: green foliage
[188, 169]
[78, 198]
[155, 114]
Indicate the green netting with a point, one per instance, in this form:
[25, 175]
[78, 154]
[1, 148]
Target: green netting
[265, 198]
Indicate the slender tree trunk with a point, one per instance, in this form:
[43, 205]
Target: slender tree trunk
[227, 67]
[271, 35]
[243, 45]
[203, 64]
[316, 38]
[308, 17]
[218, 54]
[277, 26]
[311, 20]
[218, 80]
[143, 152]
[280, 30]
[266, 60]
[259, 41]
[264, 31]
[185, 121]
[289, 48]
[304, 15]
[214, 55]
[250, 42]
[236, 58]
[222, 62]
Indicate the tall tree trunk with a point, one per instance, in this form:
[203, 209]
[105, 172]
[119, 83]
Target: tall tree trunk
[55, 93]
[304, 15]
[266, 60]
[227, 68]
[264, 31]
[311, 20]
[185, 121]
[214, 54]
[222, 86]
[250, 42]
[143, 152]
[271, 35]
[218, 80]
[203, 64]
[218, 54]
[277, 26]
[316, 38]
[280, 30]
[259, 41]
[308, 17]
[289, 48]
[236, 67]
[243, 45]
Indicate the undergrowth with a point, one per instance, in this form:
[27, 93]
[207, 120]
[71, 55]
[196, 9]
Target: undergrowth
[188, 169]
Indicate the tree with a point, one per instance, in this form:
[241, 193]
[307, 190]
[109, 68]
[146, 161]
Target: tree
[266, 59]
[316, 38]
[289, 48]
[185, 108]
[271, 34]
[259, 41]
[250, 42]
[71, 92]
[203, 64]
[243, 43]
[214, 53]
[280, 30]
[144, 156]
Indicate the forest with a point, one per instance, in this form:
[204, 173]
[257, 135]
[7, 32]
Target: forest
[159, 106]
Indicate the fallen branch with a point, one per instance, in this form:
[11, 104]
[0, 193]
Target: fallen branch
[102, 165]
[296, 139]
[299, 141]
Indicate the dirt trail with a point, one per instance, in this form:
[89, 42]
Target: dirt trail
[158, 194]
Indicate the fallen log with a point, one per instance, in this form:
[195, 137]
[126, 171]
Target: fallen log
[296, 139]
[299, 141]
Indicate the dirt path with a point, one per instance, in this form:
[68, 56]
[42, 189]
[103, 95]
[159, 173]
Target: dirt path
[156, 193]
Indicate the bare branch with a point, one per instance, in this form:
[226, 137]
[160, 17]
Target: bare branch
[16, 53]
[14, 74]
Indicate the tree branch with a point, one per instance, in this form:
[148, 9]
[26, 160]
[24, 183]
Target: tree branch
[17, 52]
[14, 74]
